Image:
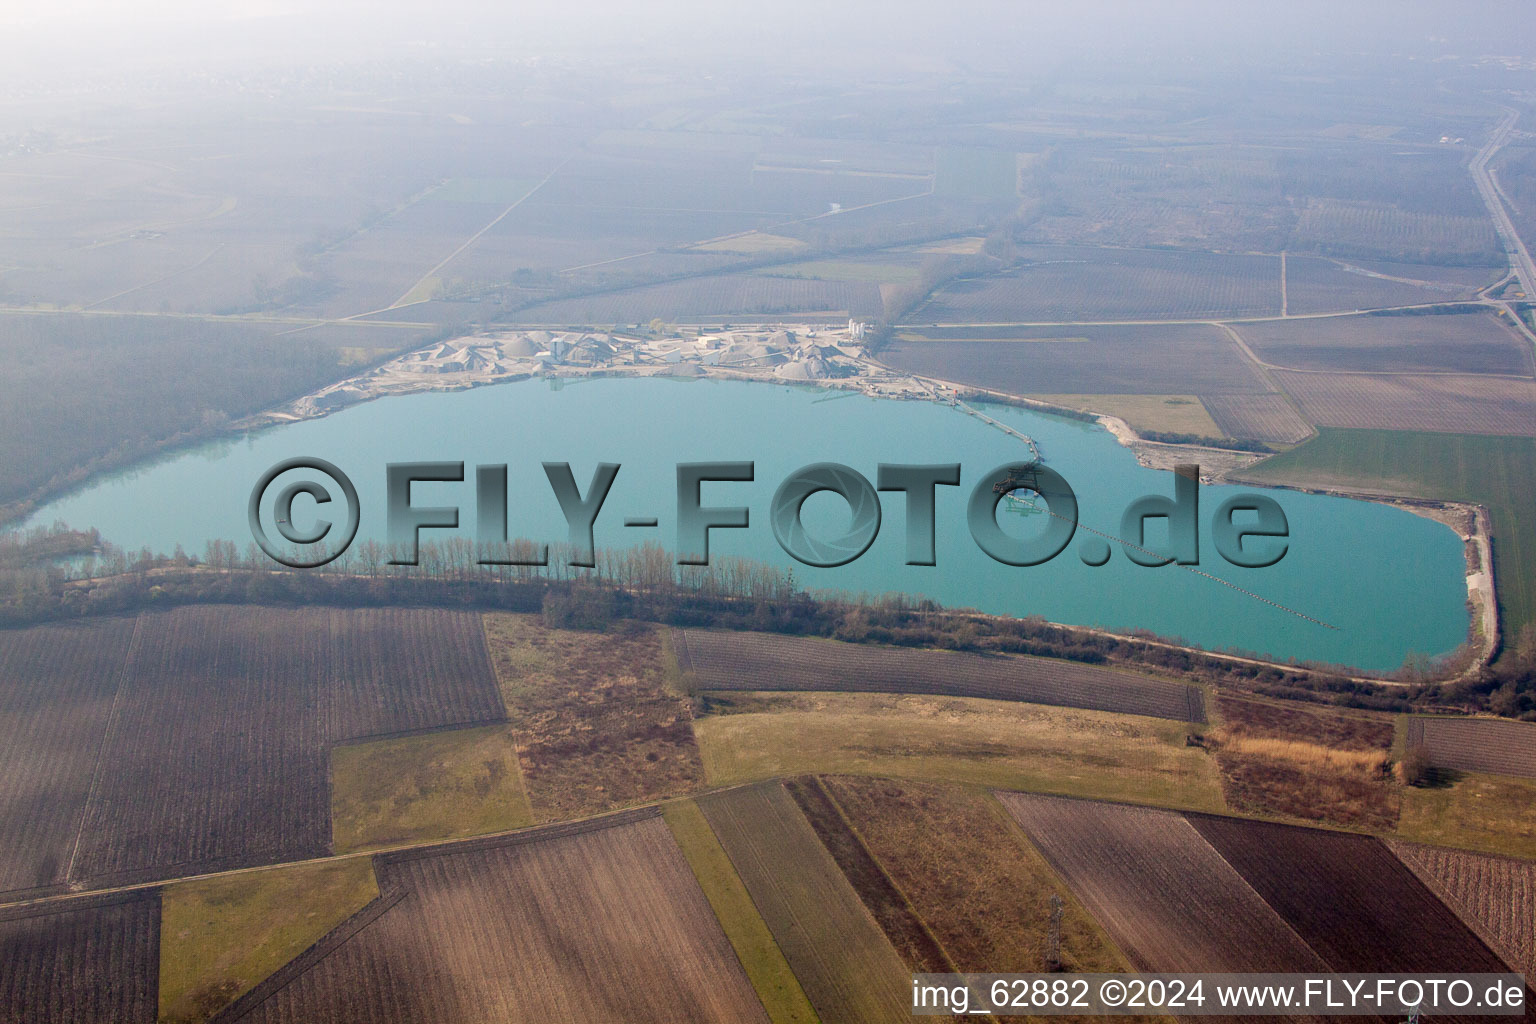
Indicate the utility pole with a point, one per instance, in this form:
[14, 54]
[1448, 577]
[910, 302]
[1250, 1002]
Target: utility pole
[1053, 940]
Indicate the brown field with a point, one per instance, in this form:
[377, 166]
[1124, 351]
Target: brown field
[970, 875]
[1490, 745]
[753, 736]
[704, 297]
[1166, 897]
[1495, 896]
[597, 922]
[217, 756]
[1089, 283]
[1471, 278]
[766, 661]
[1445, 402]
[407, 669]
[1349, 899]
[596, 727]
[1470, 343]
[1176, 414]
[753, 243]
[848, 968]
[1315, 285]
[1312, 764]
[1372, 226]
[1269, 418]
[1136, 359]
[885, 902]
[83, 961]
[56, 689]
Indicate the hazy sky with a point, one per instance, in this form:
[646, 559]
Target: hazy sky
[69, 33]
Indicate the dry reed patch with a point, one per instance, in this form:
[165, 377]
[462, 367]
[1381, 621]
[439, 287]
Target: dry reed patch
[596, 727]
[1314, 765]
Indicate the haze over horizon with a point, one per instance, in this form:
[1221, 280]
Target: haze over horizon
[1114, 36]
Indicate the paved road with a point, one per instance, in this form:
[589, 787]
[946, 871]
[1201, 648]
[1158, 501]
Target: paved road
[1519, 256]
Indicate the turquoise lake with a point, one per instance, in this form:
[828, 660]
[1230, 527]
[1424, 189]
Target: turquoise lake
[1392, 582]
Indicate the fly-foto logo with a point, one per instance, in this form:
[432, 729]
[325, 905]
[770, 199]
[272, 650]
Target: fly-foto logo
[1247, 530]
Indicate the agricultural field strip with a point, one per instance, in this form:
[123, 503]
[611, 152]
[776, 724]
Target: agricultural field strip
[1350, 898]
[761, 661]
[519, 932]
[1494, 896]
[846, 965]
[366, 710]
[96, 961]
[76, 903]
[58, 685]
[243, 318]
[322, 948]
[597, 726]
[970, 874]
[1271, 418]
[392, 894]
[106, 739]
[878, 891]
[1329, 372]
[741, 234]
[1498, 746]
[760, 956]
[1167, 897]
[218, 748]
[1128, 283]
[1412, 401]
[1191, 321]
[43, 903]
[387, 859]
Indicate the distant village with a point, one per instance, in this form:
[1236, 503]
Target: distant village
[799, 353]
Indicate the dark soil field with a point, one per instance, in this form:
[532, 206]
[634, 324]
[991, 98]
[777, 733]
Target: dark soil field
[764, 661]
[1350, 899]
[1495, 896]
[88, 961]
[1477, 744]
[1270, 418]
[1468, 343]
[408, 669]
[1452, 403]
[205, 745]
[847, 966]
[1312, 764]
[1140, 359]
[1164, 895]
[56, 689]
[216, 757]
[1083, 283]
[601, 921]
